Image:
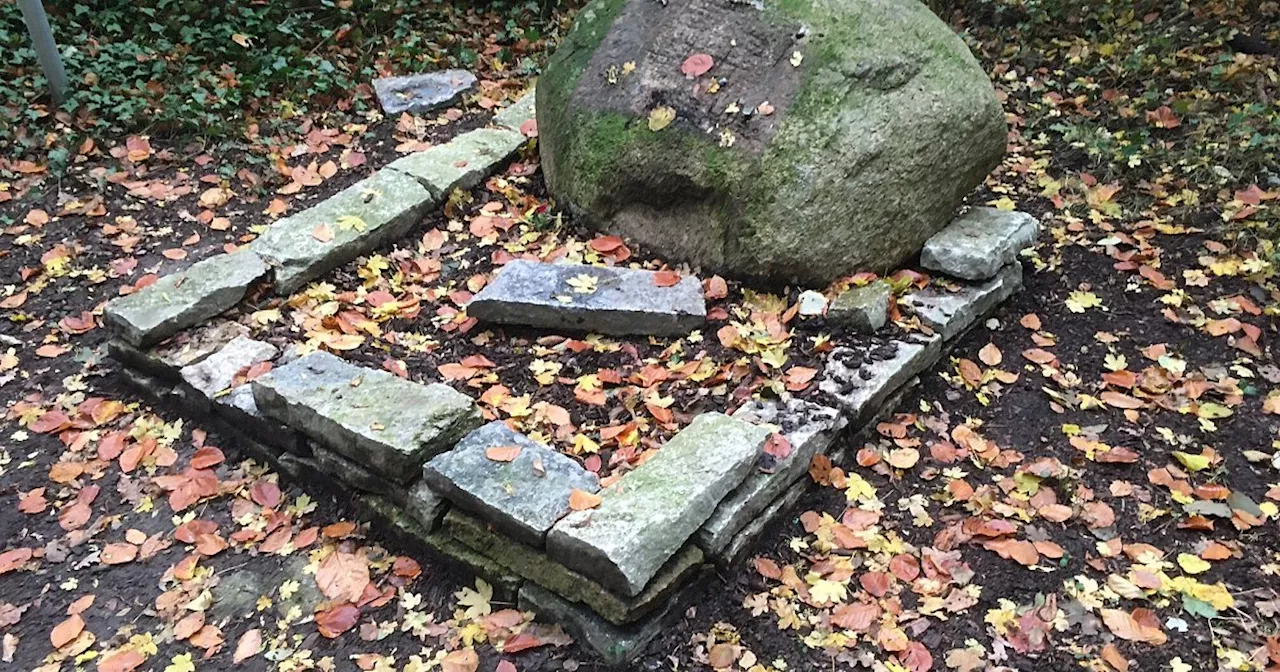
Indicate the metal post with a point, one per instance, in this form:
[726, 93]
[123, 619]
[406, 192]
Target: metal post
[46, 50]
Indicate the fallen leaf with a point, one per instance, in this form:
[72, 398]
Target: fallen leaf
[502, 453]
[581, 500]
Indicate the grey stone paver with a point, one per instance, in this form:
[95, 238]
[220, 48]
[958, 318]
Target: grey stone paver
[422, 92]
[352, 222]
[978, 243]
[860, 382]
[184, 299]
[462, 162]
[216, 372]
[523, 497]
[651, 512]
[516, 114]
[746, 538]
[239, 411]
[589, 298]
[535, 565]
[810, 428]
[950, 313]
[356, 476]
[182, 349]
[382, 422]
[863, 309]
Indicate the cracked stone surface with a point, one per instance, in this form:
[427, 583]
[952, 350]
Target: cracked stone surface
[523, 497]
[387, 424]
[860, 382]
[422, 92]
[978, 243]
[615, 301]
[950, 313]
[184, 299]
[216, 372]
[352, 222]
[462, 162]
[649, 514]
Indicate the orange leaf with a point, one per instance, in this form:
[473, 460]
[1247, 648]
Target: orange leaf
[122, 661]
[716, 288]
[990, 355]
[118, 554]
[463, 660]
[67, 631]
[248, 646]
[502, 453]
[666, 278]
[581, 500]
[343, 576]
[337, 619]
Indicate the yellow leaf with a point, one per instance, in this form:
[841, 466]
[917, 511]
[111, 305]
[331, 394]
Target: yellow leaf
[181, 663]
[1192, 462]
[661, 117]
[1192, 564]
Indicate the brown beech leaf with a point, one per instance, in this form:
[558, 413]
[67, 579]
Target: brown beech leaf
[248, 646]
[1140, 625]
[118, 554]
[990, 355]
[462, 660]
[66, 632]
[666, 278]
[342, 577]
[767, 568]
[122, 661]
[502, 453]
[581, 500]
[337, 619]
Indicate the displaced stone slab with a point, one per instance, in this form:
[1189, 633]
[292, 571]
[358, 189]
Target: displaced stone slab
[809, 427]
[650, 513]
[426, 506]
[978, 243]
[523, 497]
[423, 92]
[535, 565]
[950, 313]
[184, 299]
[516, 114]
[382, 422]
[183, 349]
[352, 222]
[746, 539]
[863, 309]
[615, 644]
[861, 381]
[462, 162]
[217, 372]
[621, 301]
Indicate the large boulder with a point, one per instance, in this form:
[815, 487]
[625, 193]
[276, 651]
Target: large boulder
[827, 137]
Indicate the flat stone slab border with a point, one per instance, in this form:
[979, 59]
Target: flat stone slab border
[417, 457]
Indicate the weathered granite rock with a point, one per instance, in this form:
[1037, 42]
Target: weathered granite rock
[423, 92]
[462, 162]
[860, 382]
[516, 114]
[810, 428]
[615, 644]
[184, 298]
[534, 565]
[863, 309]
[238, 409]
[646, 516]
[978, 243]
[426, 506]
[356, 476]
[183, 349]
[385, 423]
[745, 540]
[523, 497]
[868, 144]
[217, 372]
[950, 313]
[620, 301]
[352, 222]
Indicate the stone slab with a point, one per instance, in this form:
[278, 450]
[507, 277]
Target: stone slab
[863, 309]
[516, 114]
[978, 243]
[616, 645]
[622, 301]
[422, 92]
[746, 538]
[523, 497]
[860, 382]
[649, 514]
[462, 162]
[387, 424]
[351, 474]
[425, 506]
[215, 373]
[809, 427]
[182, 349]
[352, 222]
[535, 565]
[184, 298]
[950, 313]
[238, 409]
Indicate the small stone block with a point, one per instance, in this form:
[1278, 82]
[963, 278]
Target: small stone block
[352, 222]
[387, 424]
[423, 92]
[950, 313]
[620, 301]
[516, 114]
[238, 409]
[462, 162]
[861, 382]
[978, 243]
[523, 497]
[649, 514]
[182, 349]
[356, 476]
[810, 428]
[426, 506]
[217, 372]
[184, 298]
[537, 566]
[863, 309]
